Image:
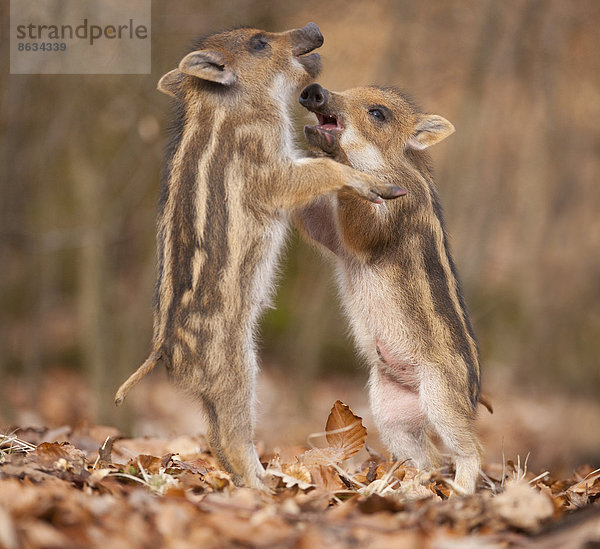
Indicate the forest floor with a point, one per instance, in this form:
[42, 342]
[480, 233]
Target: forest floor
[86, 485]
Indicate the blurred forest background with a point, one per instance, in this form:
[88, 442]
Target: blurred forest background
[520, 80]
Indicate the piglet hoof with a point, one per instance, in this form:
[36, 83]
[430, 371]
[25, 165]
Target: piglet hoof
[391, 192]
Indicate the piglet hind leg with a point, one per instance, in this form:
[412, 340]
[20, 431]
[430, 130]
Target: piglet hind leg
[228, 403]
[453, 416]
[230, 438]
[400, 420]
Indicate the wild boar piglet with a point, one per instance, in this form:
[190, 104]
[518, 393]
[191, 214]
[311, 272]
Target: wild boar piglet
[396, 277]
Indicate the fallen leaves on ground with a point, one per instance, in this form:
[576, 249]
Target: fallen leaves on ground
[86, 488]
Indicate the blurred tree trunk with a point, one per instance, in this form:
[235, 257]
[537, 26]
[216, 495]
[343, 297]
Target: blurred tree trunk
[92, 269]
[467, 191]
[20, 245]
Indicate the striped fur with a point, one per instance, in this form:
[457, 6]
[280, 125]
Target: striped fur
[231, 176]
[396, 276]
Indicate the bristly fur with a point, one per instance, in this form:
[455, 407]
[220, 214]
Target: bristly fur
[198, 42]
[403, 94]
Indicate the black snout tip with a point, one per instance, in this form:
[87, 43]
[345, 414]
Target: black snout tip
[314, 32]
[313, 96]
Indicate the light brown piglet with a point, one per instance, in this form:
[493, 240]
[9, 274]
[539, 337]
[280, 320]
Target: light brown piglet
[396, 277]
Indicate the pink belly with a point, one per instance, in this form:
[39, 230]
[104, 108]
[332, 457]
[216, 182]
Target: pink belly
[398, 370]
[394, 390]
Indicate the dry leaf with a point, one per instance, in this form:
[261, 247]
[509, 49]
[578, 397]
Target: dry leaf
[345, 430]
[268, 530]
[98, 475]
[105, 451]
[327, 478]
[59, 456]
[522, 506]
[322, 456]
[289, 481]
[583, 486]
[296, 470]
[288, 476]
[218, 480]
[200, 507]
[576, 500]
[374, 503]
[197, 466]
[39, 533]
[148, 464]
[371, 471]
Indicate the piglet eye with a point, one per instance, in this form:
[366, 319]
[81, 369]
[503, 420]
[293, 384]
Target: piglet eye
[260, 45]
[377, 114]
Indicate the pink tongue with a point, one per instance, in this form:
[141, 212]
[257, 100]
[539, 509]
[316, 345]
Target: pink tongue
[329, 126]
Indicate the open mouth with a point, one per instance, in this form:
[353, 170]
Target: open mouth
[327, 122]
[325, 135]
[305, 58]
[310, 61]
[302, 50]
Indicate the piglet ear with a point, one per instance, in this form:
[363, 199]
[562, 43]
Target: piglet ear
[170, 83]
[208, 65]
[429, 130]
